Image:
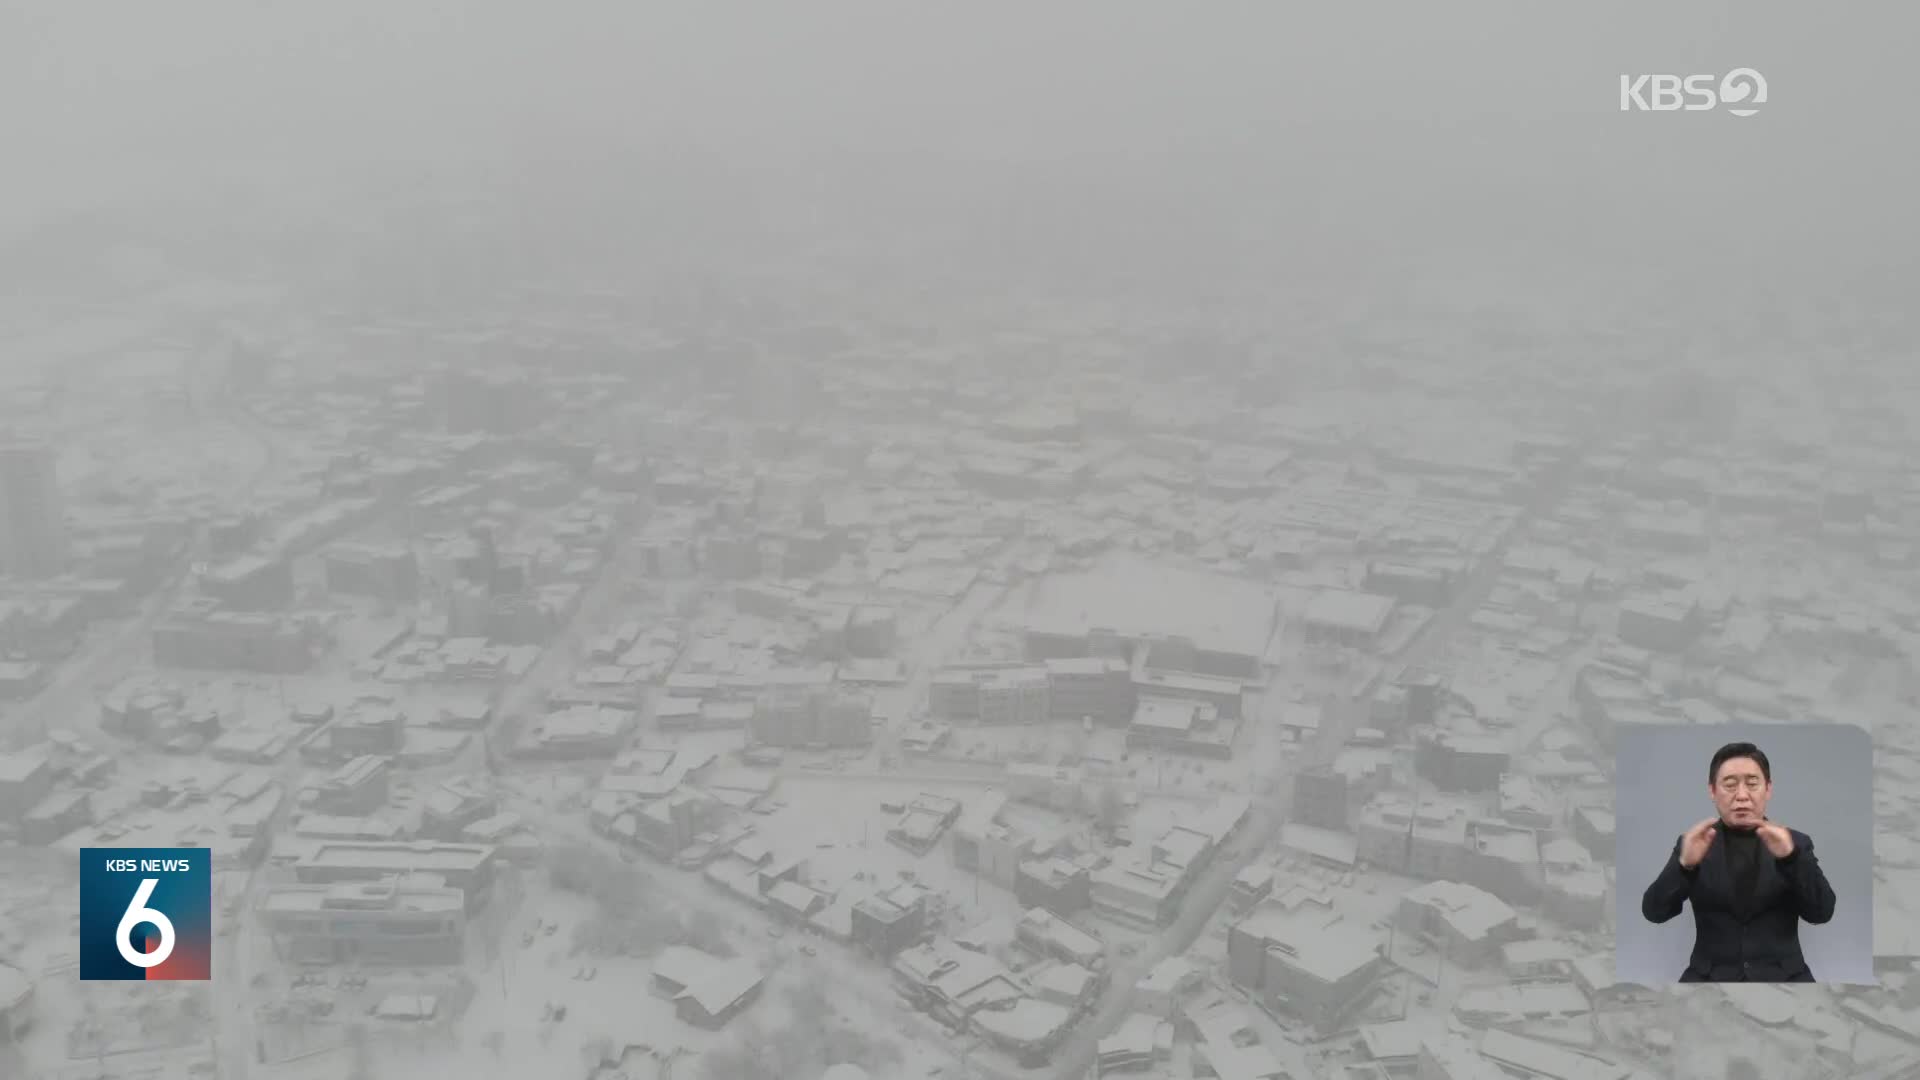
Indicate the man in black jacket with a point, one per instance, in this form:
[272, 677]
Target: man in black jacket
[1750, 880]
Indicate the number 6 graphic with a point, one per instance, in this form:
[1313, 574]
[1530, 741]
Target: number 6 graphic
[138, 912]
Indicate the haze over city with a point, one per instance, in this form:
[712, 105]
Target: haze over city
[846, 540]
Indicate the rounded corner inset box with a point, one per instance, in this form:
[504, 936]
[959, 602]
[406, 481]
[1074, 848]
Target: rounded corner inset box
[146, 914]
[1745, 853]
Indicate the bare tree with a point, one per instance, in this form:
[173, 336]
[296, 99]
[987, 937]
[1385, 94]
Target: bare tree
[706, 931]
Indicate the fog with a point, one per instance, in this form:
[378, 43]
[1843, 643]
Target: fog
[1300, 141]
[992, 541]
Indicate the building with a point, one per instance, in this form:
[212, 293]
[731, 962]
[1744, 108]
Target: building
[1251, 885]
[1055, 884]
[953, 985]
[991, 695]
[489, 403]
[990, 848]
[1593, 830]
[384, 573]
[368, 729]
[1454, 762]
[1322, 847]
[886, 923]
[231, 641]
[1505, 860]
[1523, 804]
[361, 786]
[1060, 787]
[1663, 624]
[1426, 841]
[666, 827]
[1537, 958]
[811, 717]
[1423, 585]
[1191, 621]
[1470, 923]
[57, 815]
[924, 822]
[1345, 618]
[1142, 1041]
[1308, 962]
[871, 631]
[25, 779]
[22, 680]
[1137, 889]
[392, 922]
[1029, 1028]
[1046, 934]
[1227, 1042]
[1320, 799]
[251, 583]
[1424, 691]
[1183, 726]
[719, 994]
[468, 868]
[33, 524]
[578, 733]
[452, 806]
[1099, 688]
[1160, 992]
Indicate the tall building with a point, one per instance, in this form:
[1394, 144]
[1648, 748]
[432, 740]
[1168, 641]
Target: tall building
[33, 529]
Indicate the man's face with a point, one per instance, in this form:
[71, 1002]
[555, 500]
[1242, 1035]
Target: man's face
[1740, 792]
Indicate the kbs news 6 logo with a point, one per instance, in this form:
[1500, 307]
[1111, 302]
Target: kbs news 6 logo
[146, 913]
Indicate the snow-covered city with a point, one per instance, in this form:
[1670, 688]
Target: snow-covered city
[661, 665]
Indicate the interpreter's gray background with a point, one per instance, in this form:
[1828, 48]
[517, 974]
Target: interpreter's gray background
[1822, 786]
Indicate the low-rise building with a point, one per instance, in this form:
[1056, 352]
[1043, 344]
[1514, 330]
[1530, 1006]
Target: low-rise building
[1427, 840]
[1135, 888]
[580, 732]
[1455, 762]
[1470, 923]
[806, 717]
[1183, 726]
[1320, 798]
[1099, 688]
[1056, 884]
[925, 821]
[992, 849]
[361, 786]
[1307, 962]
[211, 640]
[1047, 934]
[390, 922]
[468, 868]
[888, 922]
[1345, 618]
[719, 994]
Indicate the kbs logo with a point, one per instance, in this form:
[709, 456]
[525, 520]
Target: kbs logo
[146, 913]
[1741, 91]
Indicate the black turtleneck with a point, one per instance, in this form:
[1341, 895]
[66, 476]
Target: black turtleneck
[1743, 860]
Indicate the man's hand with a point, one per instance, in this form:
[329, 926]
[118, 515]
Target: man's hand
[1778, 840]
[1695, 842]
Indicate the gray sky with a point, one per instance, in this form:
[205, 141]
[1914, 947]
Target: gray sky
[1303, 139]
